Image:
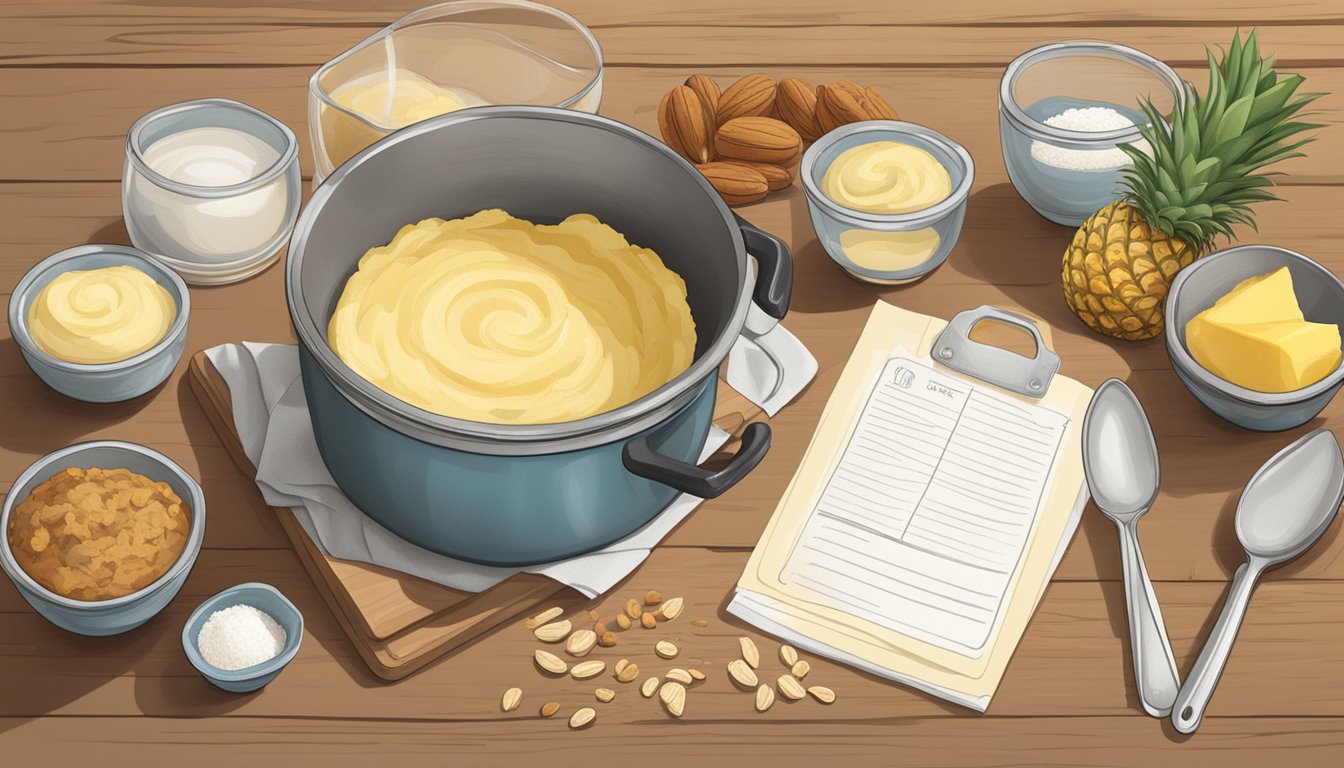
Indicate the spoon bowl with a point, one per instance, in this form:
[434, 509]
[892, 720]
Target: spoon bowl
[1287, 505]
[1292, 499]
[1119, 452]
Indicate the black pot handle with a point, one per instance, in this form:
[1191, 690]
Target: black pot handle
[774, 269]
[641, 459]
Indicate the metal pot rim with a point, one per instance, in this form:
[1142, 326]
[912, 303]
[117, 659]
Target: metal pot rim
[515, 439]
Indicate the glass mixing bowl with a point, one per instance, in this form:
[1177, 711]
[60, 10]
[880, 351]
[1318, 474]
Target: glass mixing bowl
[472, 52]
[1067, 175]
[887, 248]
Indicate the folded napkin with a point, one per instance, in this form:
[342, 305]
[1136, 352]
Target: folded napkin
[271, 416]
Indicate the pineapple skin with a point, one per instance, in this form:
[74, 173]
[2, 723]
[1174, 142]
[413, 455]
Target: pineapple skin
[1117, 271]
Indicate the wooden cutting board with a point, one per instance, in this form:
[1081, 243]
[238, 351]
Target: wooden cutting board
[400, 623]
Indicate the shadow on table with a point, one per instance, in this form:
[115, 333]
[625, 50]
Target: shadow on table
[114, 231]
[819, 284]
[50, 420]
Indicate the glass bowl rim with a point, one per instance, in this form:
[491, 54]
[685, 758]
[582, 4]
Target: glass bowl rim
[453, 7]
[288, 156]
[1036, 129]
[890, 221]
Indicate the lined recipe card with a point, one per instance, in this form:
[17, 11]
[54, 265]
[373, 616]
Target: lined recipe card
[926, 517]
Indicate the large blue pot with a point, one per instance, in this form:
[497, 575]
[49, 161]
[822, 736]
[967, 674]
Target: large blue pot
[518, 494]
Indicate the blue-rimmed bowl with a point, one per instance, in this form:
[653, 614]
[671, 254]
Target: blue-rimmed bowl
[120, 614]
[101, 382]
[264, 598]
[1067, 175]
[1320, 294]
[931, 233]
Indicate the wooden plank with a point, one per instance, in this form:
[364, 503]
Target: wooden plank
[1073, 659]
[1189, 535]
[298, 39]
[776, 739]
[49, 136]
[160, 21]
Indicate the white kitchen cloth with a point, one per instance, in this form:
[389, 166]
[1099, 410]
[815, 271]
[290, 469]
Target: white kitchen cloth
[768, 365]
[271, 415]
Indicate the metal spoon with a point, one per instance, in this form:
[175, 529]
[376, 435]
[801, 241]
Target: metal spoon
[1285, 508]
[1120, 459]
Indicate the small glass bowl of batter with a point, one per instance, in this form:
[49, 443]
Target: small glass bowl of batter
[887, 248]
[109, 382]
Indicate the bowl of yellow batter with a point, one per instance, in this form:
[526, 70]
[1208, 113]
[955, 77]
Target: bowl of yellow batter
[511, 322]
[100, 323]
[887, 198]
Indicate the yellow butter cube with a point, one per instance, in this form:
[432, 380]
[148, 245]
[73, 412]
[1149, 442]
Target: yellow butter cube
[1256, 337]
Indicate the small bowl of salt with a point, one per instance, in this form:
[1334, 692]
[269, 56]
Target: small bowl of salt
[1064, 111]
[243, 637]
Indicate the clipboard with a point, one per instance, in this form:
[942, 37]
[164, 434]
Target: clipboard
[796, 613]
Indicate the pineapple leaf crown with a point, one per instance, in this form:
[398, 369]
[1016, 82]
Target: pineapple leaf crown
[1201, 178]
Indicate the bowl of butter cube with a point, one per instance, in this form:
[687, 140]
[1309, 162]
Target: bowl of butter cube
[1254, 333]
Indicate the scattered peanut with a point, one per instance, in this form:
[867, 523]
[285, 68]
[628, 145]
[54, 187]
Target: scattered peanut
[678, 675]
[800, 669]
[604, 695]
[765, 698]
[622, 621]
[628, 674]
[553, 632]
[581, 642]
[549, 662]
[649, 687]
[586, 669]
[652, 597]
[594, 616]
[647, 621]
[550, 708]
[696, 675]
[789, 655]
[699, 623]
[599, 629]
[632, 608]
[607, 639]
[670, 609]
[749, 652]
[512, 698]
[582, 718]
[673, 696]
[543, 617]
[822, 693]
[791, 688]
[742, 674]
[667, 649]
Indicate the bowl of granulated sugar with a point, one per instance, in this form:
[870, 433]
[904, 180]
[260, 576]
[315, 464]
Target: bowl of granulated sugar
[243, 637]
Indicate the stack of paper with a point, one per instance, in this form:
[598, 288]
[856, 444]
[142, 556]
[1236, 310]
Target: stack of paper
[925, 520]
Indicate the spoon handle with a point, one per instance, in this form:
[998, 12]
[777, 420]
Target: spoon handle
[1194, 697]
[1154, 664]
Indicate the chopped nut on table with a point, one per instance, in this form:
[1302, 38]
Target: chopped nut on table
[672, 686]
[553, 632]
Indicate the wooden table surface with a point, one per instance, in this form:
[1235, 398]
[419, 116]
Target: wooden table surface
[75, 75]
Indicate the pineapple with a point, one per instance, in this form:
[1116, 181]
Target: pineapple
[1201, 179]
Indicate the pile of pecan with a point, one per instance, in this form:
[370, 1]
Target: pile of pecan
[747, 140]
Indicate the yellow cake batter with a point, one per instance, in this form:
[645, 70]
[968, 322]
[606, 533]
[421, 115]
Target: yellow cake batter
[100, 315]
[495, 319]
[886, 177]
